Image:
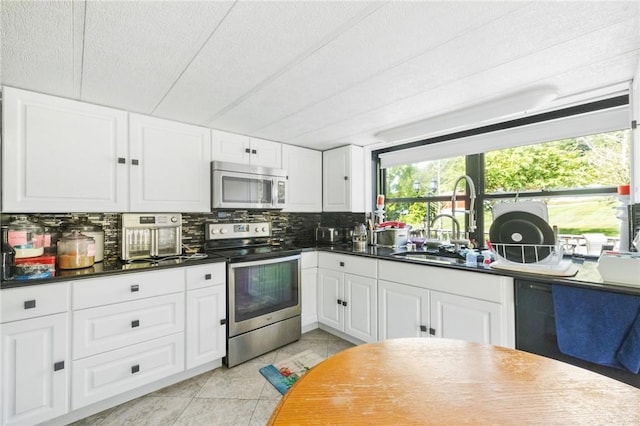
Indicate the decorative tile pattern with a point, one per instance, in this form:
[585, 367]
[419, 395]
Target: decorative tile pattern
[288, 228]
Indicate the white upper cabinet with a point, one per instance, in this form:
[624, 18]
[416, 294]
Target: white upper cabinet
[242, 149]
[61, 155]
[304, 172]
[343, 179]
[266, 153]
[169, 165]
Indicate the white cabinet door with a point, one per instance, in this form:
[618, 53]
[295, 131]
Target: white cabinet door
[242, 149]
[465, 318]
[230, 147]
[170, 168]
[35, 369]
[403, 311]
[330, 309]
[343, 179]
[266, 153]
[361, 307]
[309, 297]
[61, 155]
[304, 172]
[206, 329]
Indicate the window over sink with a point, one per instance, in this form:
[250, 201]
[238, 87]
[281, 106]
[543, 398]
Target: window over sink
[573, 163]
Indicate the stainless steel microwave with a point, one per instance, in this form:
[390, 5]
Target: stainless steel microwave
[240, 186]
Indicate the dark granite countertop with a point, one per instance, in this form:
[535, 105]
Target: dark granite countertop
[587, 276]
[106, 268]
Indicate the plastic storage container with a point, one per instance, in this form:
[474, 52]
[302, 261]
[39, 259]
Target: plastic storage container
[90, 229]
[26, 238]
[76, 251]
[35, 268]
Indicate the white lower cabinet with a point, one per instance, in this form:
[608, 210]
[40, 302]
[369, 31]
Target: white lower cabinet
[128, 331]
[465, 318]
[348, 302]
[111, 373]
[417, 300]
[309, 289]
[403, 310]
[206, 314]
[35, 369]
[206, 330]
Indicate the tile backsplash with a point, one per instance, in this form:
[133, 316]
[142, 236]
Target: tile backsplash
[288, 228]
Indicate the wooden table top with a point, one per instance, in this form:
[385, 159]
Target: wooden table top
[443, 381]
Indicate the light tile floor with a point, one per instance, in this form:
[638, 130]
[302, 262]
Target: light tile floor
[224, 396]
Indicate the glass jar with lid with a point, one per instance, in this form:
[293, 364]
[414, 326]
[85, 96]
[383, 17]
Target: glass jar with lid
[90, 229]
[75, 251]
[26, 238]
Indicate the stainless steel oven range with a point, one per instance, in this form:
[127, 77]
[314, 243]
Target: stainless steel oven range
[263, 289]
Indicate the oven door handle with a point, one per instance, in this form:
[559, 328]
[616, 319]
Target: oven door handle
[280, 259]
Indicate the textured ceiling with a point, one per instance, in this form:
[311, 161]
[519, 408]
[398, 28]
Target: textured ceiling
[318, 74]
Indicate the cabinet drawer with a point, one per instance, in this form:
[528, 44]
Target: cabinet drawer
[110, 327]
[34, 301]
[206, 275]
[350, 264]
[123, 288]
[112, 373]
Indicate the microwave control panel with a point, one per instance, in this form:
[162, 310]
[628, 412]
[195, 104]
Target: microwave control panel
[219, 231]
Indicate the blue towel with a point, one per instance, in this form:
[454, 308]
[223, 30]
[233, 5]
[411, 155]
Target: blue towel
[598, 326]
[629, 353]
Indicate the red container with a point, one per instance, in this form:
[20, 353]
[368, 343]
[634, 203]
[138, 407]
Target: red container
[33, 268]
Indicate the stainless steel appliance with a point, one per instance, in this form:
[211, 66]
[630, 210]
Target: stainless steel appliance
[392, 237]
[145, 236]
[263, 289]
[327, 235]
[240, 186]
[536, 330]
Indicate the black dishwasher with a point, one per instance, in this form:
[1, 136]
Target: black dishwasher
[536, 330]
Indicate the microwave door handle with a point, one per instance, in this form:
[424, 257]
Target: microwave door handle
[154, 242]
[274, 193]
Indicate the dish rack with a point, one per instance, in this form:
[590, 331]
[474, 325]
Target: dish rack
[531, 255]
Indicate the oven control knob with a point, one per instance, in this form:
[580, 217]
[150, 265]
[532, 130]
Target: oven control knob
[264, 229]
[223, 231]
[214, 231]
[174, 219]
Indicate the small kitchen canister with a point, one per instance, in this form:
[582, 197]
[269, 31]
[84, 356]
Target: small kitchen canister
[26, 238]
[89, 229]
[76, 251]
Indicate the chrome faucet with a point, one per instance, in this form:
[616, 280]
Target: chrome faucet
[472, 201]
[456, 224]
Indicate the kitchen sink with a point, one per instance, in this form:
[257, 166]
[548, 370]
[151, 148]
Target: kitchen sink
[430, 257]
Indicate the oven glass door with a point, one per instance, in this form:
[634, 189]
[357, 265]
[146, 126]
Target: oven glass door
[262, 292]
